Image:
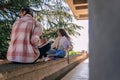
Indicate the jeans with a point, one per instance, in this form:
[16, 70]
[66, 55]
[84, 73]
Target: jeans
[43, 50]
[57, 53]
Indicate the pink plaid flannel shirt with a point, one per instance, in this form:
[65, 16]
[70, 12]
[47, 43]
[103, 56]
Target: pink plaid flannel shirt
[24, 37]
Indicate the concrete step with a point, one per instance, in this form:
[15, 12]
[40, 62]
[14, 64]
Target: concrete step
[50, 70]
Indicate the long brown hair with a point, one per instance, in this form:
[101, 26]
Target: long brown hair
[63, 33]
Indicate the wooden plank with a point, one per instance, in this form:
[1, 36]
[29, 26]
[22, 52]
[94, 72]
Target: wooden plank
[81, 7]
[83, 15]
[79, 1]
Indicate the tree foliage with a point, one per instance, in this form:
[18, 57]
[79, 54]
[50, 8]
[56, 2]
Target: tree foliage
[52, 14]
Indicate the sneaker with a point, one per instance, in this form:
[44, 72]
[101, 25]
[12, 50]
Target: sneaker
[46, 59]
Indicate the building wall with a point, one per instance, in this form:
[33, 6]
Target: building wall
[81, 42]
[104, 39]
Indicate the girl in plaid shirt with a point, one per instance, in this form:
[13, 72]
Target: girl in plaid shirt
[24, 39]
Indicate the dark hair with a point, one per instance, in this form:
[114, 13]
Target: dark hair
[27, 11]
[63, 33]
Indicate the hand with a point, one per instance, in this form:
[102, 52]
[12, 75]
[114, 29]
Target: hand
[43, 41]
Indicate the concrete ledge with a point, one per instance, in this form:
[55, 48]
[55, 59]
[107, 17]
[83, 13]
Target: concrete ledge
[50, 70]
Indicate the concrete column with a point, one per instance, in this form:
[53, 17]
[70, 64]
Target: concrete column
[104, 39]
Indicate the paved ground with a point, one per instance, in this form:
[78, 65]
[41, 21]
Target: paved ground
[81, 72]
